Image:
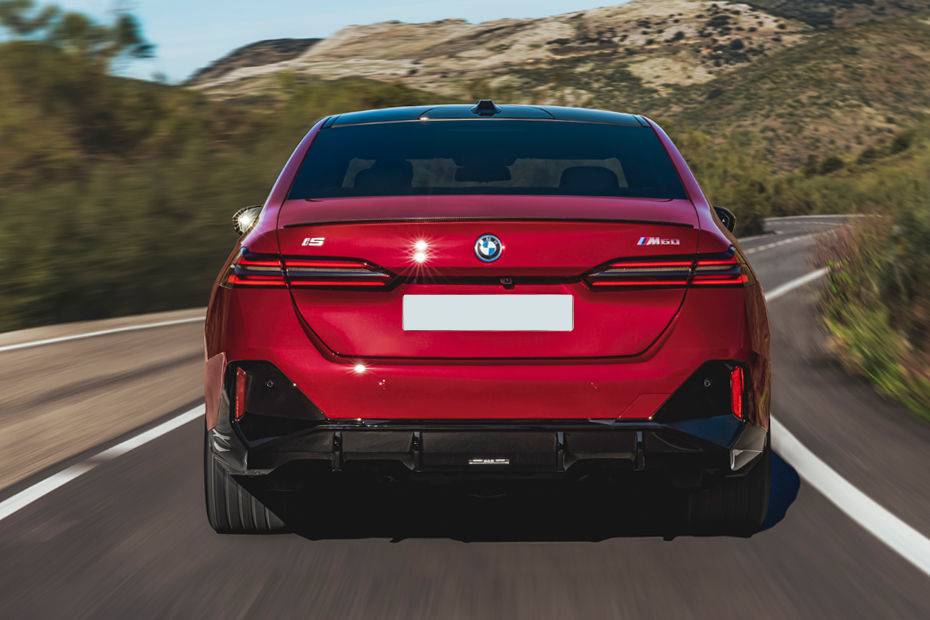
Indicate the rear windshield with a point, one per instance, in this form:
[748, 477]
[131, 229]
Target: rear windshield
[487, 157]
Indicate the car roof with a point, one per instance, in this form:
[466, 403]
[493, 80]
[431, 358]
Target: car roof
[485, 109]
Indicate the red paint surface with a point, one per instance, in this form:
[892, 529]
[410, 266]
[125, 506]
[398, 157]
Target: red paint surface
[631, 348]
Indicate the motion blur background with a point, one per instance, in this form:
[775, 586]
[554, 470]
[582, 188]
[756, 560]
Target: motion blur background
[130, 132]
[117, 179]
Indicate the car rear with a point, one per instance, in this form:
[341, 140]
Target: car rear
[516, 291]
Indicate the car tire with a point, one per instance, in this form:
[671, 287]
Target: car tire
[231, 509]
[736, 506]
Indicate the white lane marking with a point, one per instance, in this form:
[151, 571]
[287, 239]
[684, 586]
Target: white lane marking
[44, 487]
[789, 286]
[775, 244]
[901, 537]
[754, 237]
[102, 332]
[836, 216]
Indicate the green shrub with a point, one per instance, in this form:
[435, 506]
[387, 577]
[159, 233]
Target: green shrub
[877, 305]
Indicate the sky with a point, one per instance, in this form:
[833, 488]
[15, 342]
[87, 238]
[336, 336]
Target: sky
[189, 34]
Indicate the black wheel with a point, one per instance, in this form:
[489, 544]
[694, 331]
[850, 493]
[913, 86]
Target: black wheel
[231, 509]
[733, 505]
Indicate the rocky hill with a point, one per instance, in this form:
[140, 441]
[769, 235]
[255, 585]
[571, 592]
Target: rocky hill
[659, 42]
[258, 54]
[811, 78]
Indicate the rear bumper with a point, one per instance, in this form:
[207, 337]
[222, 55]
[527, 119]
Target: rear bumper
[728, 324]
[715, 446]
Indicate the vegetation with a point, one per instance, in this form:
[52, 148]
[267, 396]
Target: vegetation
[877, 304]
[76, 32]
[117, 194]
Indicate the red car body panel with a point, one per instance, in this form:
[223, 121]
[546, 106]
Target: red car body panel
[346, 351]
[368, 324]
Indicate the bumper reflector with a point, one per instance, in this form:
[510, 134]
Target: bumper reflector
[241, 387]
[736, 391]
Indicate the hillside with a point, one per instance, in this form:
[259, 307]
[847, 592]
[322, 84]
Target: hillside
[832, 13]
[812, 80]
[672, 41]
[255, 54]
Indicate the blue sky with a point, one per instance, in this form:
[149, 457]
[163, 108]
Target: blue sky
[191, 33]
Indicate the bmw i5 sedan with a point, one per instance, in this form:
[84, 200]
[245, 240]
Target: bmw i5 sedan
[488, 291]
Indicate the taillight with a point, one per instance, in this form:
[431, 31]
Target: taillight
[703, 270]
[312, 272]
[643, 273]
[242, 384]
[737, 389]
[256, 270]
[719, 272]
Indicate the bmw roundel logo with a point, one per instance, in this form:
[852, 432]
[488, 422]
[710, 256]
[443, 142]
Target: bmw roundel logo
[488, 248]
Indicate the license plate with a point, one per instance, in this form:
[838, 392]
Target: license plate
[489, 313]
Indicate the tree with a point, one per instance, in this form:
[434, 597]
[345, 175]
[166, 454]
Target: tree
[76, 33]
[22, 19]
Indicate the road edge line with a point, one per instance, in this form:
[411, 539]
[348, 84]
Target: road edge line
[40, 489]
[102, 332]
[877, 520]
[900, 537]
[791, 285]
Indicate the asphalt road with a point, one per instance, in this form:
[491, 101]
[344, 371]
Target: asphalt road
[129, 537]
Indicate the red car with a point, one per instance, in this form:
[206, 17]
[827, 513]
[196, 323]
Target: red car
[488, 291]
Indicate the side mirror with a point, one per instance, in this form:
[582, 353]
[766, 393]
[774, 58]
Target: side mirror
[726, 217]
[245, 219]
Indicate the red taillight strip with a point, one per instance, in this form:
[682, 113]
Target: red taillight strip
[244, 261]
[725, 262]
[717, 270]
[255, 270]
[252, 270]
[293, 263]
[343, 273]
[628, 283]
[340, 283]
[720, 280]
[737, 388]
[236, 279]
[653, 264]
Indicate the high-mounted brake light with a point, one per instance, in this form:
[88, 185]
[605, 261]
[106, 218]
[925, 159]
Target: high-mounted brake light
[737, 388]
[254, 270]
[712, 270]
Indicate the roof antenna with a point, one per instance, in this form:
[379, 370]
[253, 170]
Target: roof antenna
[486, 107]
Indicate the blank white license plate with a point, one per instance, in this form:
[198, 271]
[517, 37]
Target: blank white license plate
[489, 313]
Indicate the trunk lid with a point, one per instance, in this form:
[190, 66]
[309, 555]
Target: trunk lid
[549, 242]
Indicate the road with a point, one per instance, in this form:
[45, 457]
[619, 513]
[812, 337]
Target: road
[128, 535]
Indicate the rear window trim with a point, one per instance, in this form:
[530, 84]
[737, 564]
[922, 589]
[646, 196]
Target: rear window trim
[484, 119]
